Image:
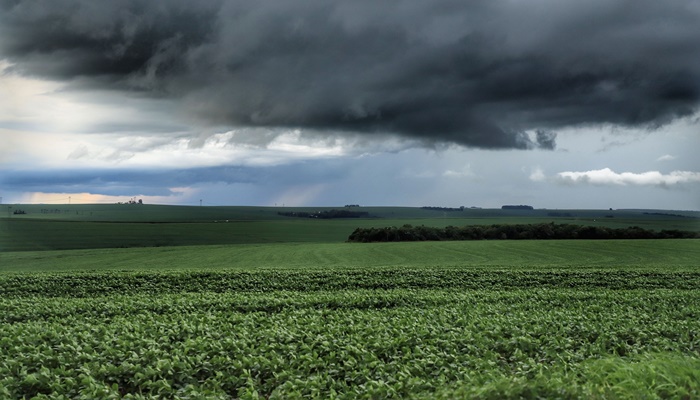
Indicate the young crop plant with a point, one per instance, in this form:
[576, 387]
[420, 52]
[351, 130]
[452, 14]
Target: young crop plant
[392, 332]
[570, 319]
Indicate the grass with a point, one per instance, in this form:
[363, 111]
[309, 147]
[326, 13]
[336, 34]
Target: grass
[660, 255]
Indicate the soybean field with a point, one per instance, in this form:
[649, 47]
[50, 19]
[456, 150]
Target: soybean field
[322, 318]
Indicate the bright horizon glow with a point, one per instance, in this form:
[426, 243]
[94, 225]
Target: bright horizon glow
[89, 198]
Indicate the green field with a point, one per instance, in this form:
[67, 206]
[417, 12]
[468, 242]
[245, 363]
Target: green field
[46, 227]
[664, 255]
[287, 309]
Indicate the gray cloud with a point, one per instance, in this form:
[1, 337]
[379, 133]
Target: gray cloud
[161, 182]
[121, 182]
[546, 139]
[480, 74]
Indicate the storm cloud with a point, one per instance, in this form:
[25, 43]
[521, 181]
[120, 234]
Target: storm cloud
[487, 74]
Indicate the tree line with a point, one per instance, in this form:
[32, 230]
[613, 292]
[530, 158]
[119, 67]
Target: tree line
[442, 208]
[329, 214]
[544, 231]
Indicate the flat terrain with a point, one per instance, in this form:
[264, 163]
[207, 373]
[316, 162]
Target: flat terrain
[46, 227]
[655, 255]
[287, 309]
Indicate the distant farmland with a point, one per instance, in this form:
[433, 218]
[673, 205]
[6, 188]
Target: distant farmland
[46, 227]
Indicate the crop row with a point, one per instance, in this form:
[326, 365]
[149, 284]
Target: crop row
[99, 284]
[347, 344]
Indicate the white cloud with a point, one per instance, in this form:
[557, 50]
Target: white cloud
[666, 157]
[606, 176]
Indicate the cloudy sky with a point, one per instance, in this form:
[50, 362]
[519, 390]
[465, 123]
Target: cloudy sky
[552, 103]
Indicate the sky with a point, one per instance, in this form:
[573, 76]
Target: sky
[551, 103]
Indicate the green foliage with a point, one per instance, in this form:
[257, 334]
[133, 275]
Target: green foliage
[549, 231]
[644, 376]
[347, 343]
[117, 283]
[572, 319]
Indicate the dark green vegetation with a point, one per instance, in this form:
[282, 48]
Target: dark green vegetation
[551, 231]
[314, 317]
[45, 227]
[489, 319]
[404, 342]
[325, 214]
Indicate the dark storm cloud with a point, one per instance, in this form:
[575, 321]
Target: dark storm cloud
[110, 39]
[478, 73]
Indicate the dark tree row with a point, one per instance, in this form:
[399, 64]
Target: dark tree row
[518, 207]
[669, 215]
[408, 233]
[443, 208]
[325, 214]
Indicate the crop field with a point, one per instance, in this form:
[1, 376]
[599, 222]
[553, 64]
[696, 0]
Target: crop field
[45, 227]
[488, 319]
[266, 306]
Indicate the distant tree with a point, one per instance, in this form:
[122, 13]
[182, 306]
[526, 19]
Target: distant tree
[518, 207]
[547, 231]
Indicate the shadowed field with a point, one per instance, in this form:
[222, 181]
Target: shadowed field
[113, 226]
